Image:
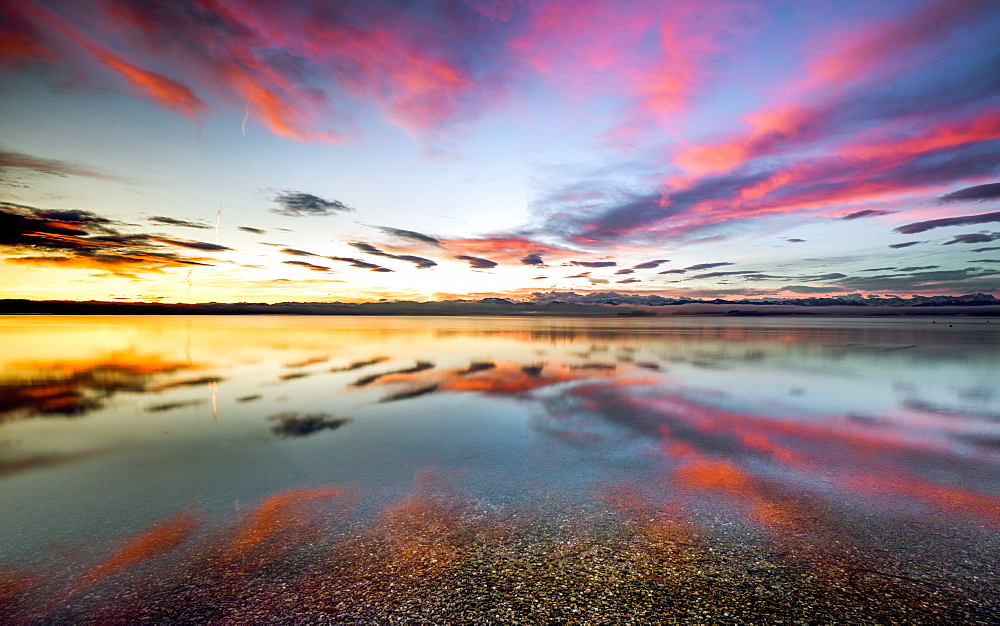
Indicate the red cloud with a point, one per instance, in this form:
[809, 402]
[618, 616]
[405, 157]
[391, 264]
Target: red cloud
[160, 89]
[156, 87]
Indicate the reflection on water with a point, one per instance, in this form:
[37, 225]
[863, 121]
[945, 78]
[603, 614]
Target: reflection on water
[474, 469]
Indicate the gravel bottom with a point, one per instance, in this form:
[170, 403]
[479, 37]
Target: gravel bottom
[437, 561]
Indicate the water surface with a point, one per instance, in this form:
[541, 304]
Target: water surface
[335, 469]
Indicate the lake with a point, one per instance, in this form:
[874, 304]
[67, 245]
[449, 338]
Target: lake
[454, 469]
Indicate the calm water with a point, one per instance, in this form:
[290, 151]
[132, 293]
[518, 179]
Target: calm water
[334, 469]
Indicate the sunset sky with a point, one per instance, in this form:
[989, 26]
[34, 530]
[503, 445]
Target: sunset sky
[268, 151]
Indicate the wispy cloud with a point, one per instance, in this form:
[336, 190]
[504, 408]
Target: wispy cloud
[17, 160]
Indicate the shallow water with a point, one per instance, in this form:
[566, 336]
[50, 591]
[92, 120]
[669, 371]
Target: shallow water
[334, 469]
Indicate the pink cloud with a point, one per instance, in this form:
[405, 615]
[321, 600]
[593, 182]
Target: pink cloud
[876, 54]
[298, 69]
[653, 55]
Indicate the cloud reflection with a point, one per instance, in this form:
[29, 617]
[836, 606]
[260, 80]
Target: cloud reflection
[295, 425]
[691, 452]
[71, 388]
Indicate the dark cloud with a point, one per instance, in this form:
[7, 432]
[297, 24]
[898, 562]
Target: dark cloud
[594, 263]
[409, 234]
[256, 231]
[986, 249]
[965, 220]
[477, 262]
[194, 245]
[360, 264]
[905, 244]
[627, 281]
[297, 252]
[625, 271]
[299, 204]
[70, 218]
[865, 213]
[532, 259]
[70, 237]
[420, 262]
[878, 269]
[169, 221]
[673, 272]
[311, 266]
[974, 238]
[705, 266]
[580, 275]
[648, 265]
[977, 193]
[918, 268]
[794, 240]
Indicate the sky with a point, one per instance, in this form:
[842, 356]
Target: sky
[310, 150]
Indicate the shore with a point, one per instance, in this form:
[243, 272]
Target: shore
[497, 307]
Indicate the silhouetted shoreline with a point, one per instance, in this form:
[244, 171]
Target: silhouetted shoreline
[976, 305]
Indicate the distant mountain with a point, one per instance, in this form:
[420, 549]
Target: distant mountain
[541, 303]
[614, 298]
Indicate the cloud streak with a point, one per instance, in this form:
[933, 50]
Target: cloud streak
[477, 262]
[977, 193]
[965, 220]
[420, 262]
[17, 160]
